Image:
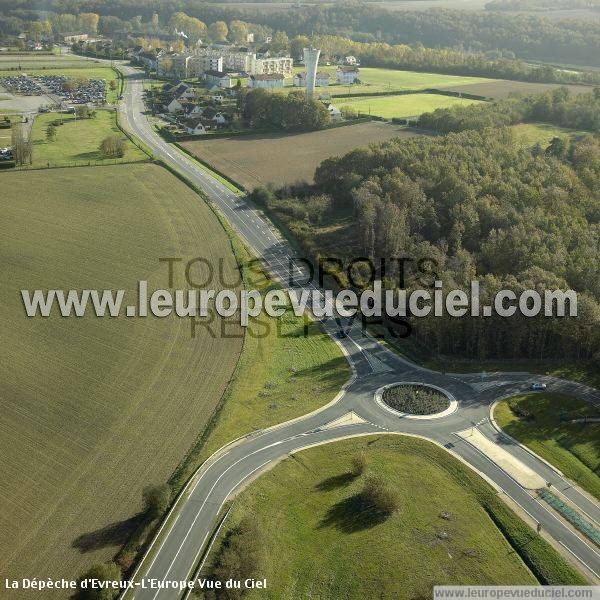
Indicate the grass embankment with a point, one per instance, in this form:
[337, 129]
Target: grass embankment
[77, 141]
[450, 528]
[92, 410]
[288, 368]
[408, 105]
[540, 421]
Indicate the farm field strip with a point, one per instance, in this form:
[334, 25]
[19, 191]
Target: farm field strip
[93, 410]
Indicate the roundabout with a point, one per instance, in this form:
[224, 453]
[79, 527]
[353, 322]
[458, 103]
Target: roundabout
[416, 400]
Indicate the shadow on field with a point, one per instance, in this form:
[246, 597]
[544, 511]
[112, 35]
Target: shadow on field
[332, 483]
[115, 534]
[352, 514]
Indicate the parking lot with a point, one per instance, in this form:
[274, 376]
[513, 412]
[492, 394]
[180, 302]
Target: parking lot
[59, 87]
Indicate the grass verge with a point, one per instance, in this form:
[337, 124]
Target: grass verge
[541, 422]
[450, 528]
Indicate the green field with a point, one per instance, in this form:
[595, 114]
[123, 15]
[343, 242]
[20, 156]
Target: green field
[94, 409]
[390, 80]
[77, 141]
[42, 61]
[408, 105]
[542, 133]
[316, 542]
[89, 70]
[537, 420]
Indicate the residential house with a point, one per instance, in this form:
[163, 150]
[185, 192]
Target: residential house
[218, 78]
[347, 75]
[196, 126]
[321, 80]
[267, 81]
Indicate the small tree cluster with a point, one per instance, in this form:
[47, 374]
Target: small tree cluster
[359, 464]
[104, 572]
[378, 497]
[112, 147]
[238, 556]
[156, 500]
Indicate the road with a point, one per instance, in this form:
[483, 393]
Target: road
[175, 554]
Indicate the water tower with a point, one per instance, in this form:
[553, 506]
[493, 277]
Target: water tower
[311, 60]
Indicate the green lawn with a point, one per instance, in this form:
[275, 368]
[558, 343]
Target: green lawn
[536, 420]
[77, 141]
[88, 70]
[316, 542]
[390, 80]
[532, 133]
[409, 105]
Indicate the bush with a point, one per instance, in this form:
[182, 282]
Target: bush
[415, 399]
[156, 500]
[378, 497]
[112, 147]
[101, 572]
[359, 464]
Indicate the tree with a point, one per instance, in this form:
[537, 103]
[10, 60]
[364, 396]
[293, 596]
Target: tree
[156, 500]
[112, 85]
[112, 147]
[379, 497]
[21, 145]
[238, 31]
[105, 572]
[297, 46]
[88, 22]
[218, 31]
[280, 44]
[51, 132]
[359, 464]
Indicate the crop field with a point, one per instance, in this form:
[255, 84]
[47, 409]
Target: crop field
[539, 422]
[253, 160]
[408, 105]
[501, 88]
[77, 141]
[309, 504]
[92, 409]
[42, 61]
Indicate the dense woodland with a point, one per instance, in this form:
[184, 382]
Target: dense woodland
[482, 207]
[531, 37]
[560, 107]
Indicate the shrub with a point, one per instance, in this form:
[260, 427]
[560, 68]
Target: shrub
[101, 572]
[378, 497]
[359, 464]
[156, 500]
[112, 147]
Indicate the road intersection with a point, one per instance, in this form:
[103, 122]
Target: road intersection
[174, 554]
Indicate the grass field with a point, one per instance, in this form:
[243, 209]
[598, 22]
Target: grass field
[253, 160]
[316, 544]
[501, 88]
[533, 133]
[88, 69]
[94, 409]
[77, 141]
[408, 105]
[537, 420]
[42, 61]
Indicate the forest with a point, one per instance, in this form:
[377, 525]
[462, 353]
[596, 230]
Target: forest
[560, 107]
[480, 206]
[527, 36]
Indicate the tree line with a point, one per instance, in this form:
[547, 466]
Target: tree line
[481, 207]
[288, 112]
[560, 107]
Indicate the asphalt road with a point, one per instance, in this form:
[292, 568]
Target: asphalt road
[175, 554]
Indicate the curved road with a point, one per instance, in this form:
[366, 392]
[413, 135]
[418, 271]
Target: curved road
[175, 554]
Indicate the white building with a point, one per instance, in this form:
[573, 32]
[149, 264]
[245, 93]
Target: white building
[267, 81]
[350, 60]
[218, 78]
[334, 112]
[245, 61]
[321, 80]
[271, 65]
[196, 126]
[347, 75]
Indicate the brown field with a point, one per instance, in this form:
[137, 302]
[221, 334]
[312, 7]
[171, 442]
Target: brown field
[502, 88]
[92, 410]
[281, 159]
